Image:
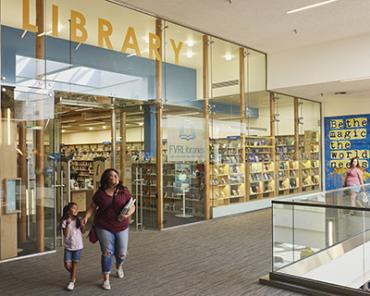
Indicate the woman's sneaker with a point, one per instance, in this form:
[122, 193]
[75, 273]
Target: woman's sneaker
[120, 273]
[70, 286]
[106, 285]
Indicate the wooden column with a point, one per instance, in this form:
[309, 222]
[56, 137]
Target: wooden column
[22, 173]
[243, 121]
[296, 141]
[123, 147]
[273, 134]
[159, 157]
[40, 166]
[207, 191]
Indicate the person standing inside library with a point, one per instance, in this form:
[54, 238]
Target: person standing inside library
[354, 179]
[111, 230]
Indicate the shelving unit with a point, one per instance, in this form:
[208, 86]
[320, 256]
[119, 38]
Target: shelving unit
[260, 166]
[309, 147]
[173, 191]
[220, 183]
[84, 169]
[83, 155]
[288, 174]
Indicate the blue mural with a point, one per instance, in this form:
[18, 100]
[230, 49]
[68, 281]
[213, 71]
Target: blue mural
[345, 137]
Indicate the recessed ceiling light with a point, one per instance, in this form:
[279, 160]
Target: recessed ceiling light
[311, 6]
[189, 54]
[190, 42]
[63, 131]
[104, 126]
[91, 128]
[228, 57]
[340, 93]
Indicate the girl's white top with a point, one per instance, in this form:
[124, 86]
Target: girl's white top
[73, 239]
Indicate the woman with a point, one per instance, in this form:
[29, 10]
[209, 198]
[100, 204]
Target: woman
[108, 200]
[354, 179]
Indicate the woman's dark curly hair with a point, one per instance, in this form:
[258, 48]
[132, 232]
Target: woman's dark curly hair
[104, 180]
[66, 214]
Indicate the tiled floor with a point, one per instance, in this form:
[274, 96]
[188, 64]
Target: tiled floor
[221, 257]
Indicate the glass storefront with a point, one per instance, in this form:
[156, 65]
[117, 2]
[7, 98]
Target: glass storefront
[184, 116]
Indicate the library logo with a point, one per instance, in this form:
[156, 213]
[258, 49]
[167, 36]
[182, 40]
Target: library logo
[187, 133]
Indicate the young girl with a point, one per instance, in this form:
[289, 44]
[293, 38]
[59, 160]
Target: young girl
[72, 232]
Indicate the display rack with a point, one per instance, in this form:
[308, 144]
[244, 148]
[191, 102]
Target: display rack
[82, 156]
[260, 166]
[191, 188]
[288, 174]
[220, 184]
[309, 148]
[227, 171]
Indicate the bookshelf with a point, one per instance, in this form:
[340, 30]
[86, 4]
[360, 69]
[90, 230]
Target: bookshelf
[260, 166]
[309, 148]
[288, 173]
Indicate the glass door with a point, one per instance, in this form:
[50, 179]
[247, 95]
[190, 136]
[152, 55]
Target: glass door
[134, 123]
[27, 130]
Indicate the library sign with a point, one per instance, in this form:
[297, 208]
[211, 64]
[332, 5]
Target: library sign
[79, 32]
[185, 139]
[345, 137]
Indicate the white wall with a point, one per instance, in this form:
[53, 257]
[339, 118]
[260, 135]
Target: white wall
[348, 105]
[132, 135]
[331, 61]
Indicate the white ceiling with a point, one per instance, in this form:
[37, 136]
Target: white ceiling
[264, 24]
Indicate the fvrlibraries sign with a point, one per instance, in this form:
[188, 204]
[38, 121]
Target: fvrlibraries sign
[185, 139]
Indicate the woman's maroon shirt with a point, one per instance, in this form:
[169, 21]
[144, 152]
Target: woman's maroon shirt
[107, 219]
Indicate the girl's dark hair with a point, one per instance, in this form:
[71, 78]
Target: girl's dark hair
[352, 160]
[104, 180]
[66, 214]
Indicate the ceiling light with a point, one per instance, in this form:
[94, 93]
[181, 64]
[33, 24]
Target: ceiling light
[63, 131]
[104, 126]
[91, 128]
[311, 6]
[190, 42]
[189, 54]
[228, 57]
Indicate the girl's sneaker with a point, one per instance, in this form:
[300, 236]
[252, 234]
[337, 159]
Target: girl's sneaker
[106, 285]
[70, 286]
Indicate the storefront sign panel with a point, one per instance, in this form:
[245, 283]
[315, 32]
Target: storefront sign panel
[185, 139]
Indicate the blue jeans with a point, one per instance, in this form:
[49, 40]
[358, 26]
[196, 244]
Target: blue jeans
[112, 244]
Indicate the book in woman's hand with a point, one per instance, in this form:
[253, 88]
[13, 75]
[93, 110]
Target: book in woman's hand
[126, 209]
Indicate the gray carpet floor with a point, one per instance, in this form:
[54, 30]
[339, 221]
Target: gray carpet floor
[220, 257]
